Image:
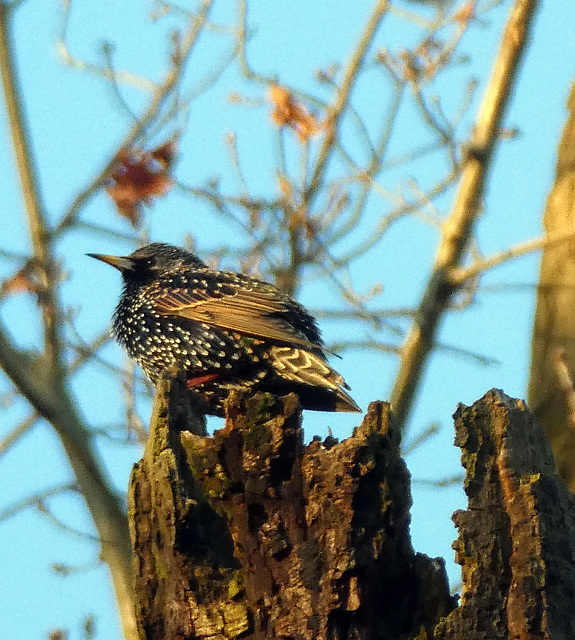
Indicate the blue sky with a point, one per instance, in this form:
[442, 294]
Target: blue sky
[76, 125]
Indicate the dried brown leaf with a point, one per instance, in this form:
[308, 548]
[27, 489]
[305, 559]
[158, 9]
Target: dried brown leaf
[139, 176]
[20, 282]
[289, 112]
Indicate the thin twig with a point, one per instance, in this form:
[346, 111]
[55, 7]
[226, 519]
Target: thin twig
[375, 165]
[243, 37]
[60, 524]
[448, 481]
[338, 109]
[162, 93]
[13, 436]
[407, 208]
[420, 439]
[375, 345]
[459, 276]
[118, 76]
[35, 500]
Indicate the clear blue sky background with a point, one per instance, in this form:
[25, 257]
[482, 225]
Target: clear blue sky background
[76, 126]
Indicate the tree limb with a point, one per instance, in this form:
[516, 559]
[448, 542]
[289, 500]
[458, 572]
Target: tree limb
[42, 380]
[457, 229]
[34, 383]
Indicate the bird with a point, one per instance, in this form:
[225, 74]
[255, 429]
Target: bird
[226, 331]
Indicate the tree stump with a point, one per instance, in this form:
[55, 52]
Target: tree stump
[517, 538]
[250, 533]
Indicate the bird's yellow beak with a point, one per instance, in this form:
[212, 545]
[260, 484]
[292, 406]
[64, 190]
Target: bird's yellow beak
[118, 262]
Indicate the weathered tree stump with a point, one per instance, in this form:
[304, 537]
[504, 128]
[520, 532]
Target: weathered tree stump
[252, 534]
[517, 538]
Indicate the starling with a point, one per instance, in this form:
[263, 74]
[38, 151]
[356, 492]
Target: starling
[226, 330]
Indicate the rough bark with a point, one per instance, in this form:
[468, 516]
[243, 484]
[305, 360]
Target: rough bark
[250, 533]
[516, 539]
[554, 325]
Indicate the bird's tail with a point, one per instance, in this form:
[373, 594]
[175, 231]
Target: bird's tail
[310, 370]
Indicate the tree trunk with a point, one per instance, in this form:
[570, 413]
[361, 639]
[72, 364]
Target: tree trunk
[554, 325]
[250, 533]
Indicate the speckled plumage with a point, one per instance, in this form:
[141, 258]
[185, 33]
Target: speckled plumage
[228, 331]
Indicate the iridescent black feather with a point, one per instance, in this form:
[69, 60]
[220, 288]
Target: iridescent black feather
[226, 330]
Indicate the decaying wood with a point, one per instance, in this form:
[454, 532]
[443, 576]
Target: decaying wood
[517, 538]
[250, 533]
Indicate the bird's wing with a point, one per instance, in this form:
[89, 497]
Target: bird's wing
[251, 311]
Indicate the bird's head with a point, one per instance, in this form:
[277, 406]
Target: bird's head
[151, 260]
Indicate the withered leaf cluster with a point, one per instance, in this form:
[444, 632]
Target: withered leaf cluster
[139, 176]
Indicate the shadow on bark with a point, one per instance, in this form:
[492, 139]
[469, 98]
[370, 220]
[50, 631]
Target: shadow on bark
[250, 533]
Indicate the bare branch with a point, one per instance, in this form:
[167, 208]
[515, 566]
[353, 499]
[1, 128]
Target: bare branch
[427, 434]
[457, 229]
[243, 38]
[375, 165]
[163, 92]
[44, 264]
[461, 275]
[60, 524]
[36, 500]
[339, 107]
[117, 76]
[34, 383]
[42, 381]
[13, 436]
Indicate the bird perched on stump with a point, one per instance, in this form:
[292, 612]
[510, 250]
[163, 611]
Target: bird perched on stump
[225, 330]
